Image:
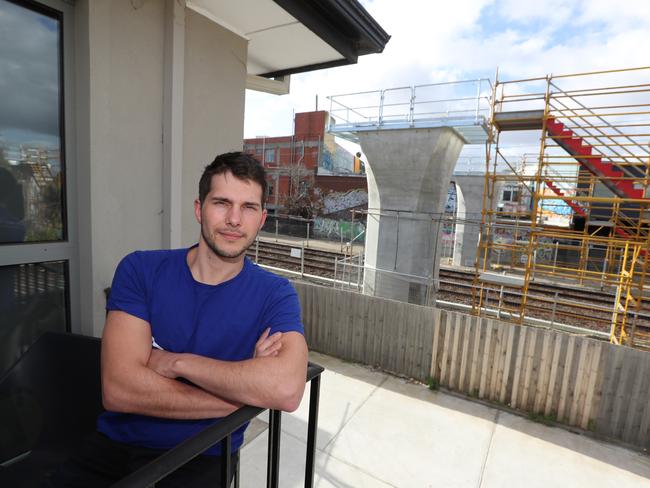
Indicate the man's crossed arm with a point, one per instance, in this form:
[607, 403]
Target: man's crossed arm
[137, 379]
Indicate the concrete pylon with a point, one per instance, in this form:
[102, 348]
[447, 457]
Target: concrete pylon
[409, 171]
[459, 234]
[471, 187]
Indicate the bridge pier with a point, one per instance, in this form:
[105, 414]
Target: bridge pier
[409, 171]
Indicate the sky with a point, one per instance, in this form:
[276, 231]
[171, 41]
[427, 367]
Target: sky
[435, 41]
[432, 41]
[29, 77]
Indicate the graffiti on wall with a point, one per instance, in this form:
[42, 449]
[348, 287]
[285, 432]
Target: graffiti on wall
[505, 240]
[337, 201]
[335, 229]
[334, 158]
[450, 205]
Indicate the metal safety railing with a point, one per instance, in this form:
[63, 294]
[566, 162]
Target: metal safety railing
[410, 104]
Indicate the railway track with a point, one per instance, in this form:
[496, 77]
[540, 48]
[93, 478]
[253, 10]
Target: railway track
[316, 262]
[586, 308]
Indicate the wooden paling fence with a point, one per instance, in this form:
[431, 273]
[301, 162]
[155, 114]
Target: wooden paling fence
[571, 379]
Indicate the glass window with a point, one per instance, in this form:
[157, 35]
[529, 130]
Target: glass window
[269, 155]
[32, 169]
[32, 301]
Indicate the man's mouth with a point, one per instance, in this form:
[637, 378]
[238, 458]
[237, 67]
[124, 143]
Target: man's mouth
[231, 236]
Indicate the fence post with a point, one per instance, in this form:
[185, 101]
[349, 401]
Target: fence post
[276, 229]
[302, 259]
[307, 234]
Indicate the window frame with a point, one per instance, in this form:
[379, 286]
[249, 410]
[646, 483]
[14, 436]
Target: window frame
[65, 249]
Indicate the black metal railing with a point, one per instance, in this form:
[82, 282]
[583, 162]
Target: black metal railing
[221, 432]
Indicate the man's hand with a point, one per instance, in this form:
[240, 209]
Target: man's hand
[268, 345]
[162, 362]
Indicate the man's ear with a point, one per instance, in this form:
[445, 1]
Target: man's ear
[197, 210]
[264, 214]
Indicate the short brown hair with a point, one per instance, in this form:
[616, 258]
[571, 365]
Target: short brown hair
[240, 164]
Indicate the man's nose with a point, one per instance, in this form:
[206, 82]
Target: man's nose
[234, 215]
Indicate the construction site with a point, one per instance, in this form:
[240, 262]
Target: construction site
[593, 167]
[550, 227]
[522, 277]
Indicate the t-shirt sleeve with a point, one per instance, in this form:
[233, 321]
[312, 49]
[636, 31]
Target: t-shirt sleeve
[128, 291]
[283, 311]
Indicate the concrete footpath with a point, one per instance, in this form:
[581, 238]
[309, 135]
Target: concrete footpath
[376, 430]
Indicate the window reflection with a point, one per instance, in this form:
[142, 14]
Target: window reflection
[31, 167]
[32, 301]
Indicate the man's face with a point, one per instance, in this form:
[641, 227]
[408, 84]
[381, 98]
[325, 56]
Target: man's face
[231, 215]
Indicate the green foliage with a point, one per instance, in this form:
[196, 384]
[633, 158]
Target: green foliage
[432, 383]
[45, 234]
[540, 418]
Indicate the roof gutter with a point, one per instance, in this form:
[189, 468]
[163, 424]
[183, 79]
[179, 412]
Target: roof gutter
[343, 24]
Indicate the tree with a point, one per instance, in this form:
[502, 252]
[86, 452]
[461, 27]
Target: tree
[302, 200]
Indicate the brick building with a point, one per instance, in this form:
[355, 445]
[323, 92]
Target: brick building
[297, 165]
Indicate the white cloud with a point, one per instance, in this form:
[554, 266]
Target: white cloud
[443, 41]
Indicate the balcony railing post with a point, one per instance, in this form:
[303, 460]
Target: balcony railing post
[273, 461]
[312, 428]
[226, 452]
[380, 119]
[412, 107]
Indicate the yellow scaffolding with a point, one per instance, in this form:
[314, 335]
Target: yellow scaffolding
[582, 215]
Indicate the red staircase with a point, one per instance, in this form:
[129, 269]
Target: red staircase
[609, 173]
[574, 205]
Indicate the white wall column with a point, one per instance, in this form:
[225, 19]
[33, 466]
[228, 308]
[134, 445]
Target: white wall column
[173, 77]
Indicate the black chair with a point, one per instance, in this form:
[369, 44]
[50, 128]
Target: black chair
[49, 402]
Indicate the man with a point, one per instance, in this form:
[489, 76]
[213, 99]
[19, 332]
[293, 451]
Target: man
[204, 314]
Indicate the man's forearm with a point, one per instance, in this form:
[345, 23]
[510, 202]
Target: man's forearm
[271, 382]
[148, 393]
[253, 381]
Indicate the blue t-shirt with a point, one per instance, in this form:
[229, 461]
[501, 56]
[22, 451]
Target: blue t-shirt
[221, 321]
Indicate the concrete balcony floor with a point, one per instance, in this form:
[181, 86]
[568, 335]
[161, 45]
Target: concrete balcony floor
[376, 430]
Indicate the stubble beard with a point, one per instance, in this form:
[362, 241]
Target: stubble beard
[221, 252]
